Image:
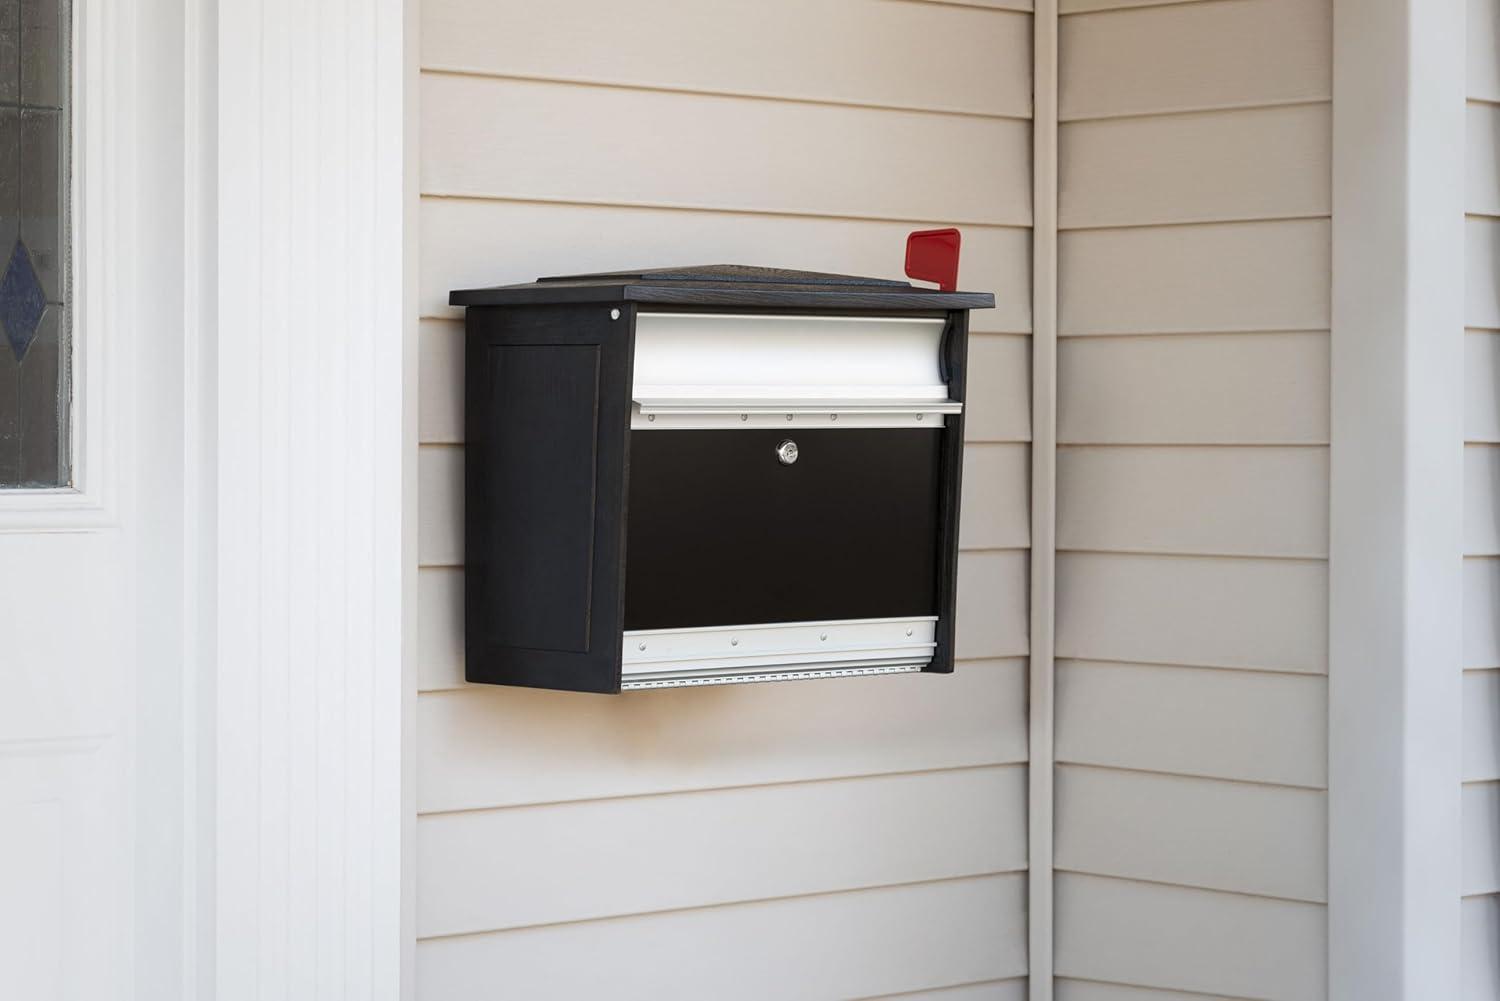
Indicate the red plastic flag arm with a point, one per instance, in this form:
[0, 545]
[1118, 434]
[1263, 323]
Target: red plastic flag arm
[932, 256]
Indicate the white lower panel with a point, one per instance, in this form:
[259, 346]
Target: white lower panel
[718, 655]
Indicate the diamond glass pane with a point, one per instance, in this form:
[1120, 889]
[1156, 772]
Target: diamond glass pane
[35, 297]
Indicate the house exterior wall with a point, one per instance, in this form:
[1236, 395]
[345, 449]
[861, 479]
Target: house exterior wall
[1481, 661]
[829, 838]
[1193, 402]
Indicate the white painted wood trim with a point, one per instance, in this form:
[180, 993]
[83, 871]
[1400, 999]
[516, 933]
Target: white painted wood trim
[1043, 500]
[1396, 479]
[314, 499]
[103, 179]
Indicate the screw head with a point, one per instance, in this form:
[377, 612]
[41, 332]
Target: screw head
[640, 646]
[833, 417]
[920, 416]
[734, 641]
[822, 636]
[786, 452]
[614, 314]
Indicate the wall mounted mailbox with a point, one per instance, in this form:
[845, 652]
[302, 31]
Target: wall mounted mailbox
[711, 475]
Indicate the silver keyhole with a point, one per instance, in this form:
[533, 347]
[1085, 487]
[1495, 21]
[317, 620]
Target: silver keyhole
[787, 452]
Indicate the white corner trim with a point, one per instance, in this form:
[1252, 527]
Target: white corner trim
[312, 367]
[1396, 498]
[1044, 269]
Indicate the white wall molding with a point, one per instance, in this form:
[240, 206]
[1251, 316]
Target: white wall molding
[1041, 722]
[312, 499]
[1395, 587]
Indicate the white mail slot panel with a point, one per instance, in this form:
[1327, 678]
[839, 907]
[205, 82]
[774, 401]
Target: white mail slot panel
[709, 476]
[705, 370]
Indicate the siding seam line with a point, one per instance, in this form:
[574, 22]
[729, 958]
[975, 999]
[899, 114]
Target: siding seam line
[1066, 763]
[1301, 902]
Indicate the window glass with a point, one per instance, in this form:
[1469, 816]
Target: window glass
[35, 297]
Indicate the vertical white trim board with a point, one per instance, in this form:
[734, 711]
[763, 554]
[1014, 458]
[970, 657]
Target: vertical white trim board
[1396, 479]
[313, 499]
[1043, 497]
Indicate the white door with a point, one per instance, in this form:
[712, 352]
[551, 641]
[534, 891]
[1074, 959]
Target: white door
[94, 532]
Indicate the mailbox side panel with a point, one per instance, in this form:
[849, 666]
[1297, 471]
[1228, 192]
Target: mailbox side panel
[956, 359]
[547, 433]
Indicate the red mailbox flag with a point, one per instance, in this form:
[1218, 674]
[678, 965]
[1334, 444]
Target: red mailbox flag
[932, 256]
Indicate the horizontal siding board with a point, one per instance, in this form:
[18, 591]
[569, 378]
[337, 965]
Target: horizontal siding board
[1066, 7]
[1236, 836]
[999, 400]
[1195, 279]
[1088, 990]
[1480, 949]
[1236, 501]
[468, 243]
[1481, 838]
[1191, 940]
[1260, 163]
[993, 595]
[973, 60]
[1482, 271]
[1482, 152]
[1242, 725]
[1483, 34]
[1013, 989]
[1481, 643]
[1234, 389]
[1175, 57]
[1481, 500]
[995, 508]
[691, 150]
[1482, 386]
[493, 747]
[1481, 726]
[635, 855]
[1195, 611]
[866, 943]
[440, 501]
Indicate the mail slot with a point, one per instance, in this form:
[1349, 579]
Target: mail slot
[711, 475]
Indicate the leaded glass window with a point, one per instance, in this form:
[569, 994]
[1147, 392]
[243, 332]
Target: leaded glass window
[35, 294]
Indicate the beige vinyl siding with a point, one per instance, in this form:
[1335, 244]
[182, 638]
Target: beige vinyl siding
[1193, 402]
[1481, 772]
[851, 838]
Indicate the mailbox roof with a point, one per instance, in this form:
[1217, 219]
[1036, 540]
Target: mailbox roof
[726, 285]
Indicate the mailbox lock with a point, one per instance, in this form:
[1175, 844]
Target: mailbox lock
[787, 452]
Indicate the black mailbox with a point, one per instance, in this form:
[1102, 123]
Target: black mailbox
[711, 475]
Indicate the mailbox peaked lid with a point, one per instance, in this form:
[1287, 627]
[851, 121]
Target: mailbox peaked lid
[726, 285]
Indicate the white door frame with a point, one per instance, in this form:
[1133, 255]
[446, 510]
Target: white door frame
[302, 172]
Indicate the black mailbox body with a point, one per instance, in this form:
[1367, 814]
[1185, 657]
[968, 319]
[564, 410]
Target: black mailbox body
[711, 475]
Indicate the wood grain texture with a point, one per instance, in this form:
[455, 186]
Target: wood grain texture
[1194, 279]
[1483, 65]
[1482, 270]
[480, 748]
[996, 508]
[721, 846]
[974, 61]
[1247, 726]
[1236, 836]
[1194, 611]
[871, 942]
[1190, 940]
[1175, 57]
[1482, 154]
[472, 243]
[1481, 643]
[695, 151]
[1482, 386]
[1480, 958]
[1481, 834]
[1260, 163]
[1211, 389]
[1193, 500]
